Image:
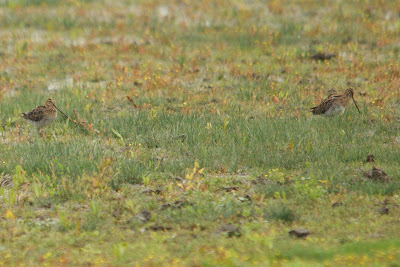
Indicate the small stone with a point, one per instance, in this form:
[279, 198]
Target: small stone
[336, 204]
[321, 56]
[137, 83]
[46, 205]
[166, 206]
[230, 188]
[177, 204]
[299, 232]
[151, 191]
[143, 216]
[117, 213]
[383, 210]
[245, 198]
[157, 227]
[139, 218]
[230, 229]
[181, 136]
[261, 180]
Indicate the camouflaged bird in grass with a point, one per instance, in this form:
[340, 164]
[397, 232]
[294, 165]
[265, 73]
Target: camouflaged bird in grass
[335, 104]
[42, 116]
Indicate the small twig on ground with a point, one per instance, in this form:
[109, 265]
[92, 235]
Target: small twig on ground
[144, 106]
[131, 100]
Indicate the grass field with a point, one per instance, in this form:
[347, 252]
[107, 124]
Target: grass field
[195, 145]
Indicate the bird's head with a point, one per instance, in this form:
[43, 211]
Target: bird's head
[349, 93]
[50, 102]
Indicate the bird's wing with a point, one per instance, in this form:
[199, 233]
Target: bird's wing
[334, 94]
[325, 105]
[35, 114]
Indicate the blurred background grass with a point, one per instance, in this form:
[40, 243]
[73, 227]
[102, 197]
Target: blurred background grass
[225, 85]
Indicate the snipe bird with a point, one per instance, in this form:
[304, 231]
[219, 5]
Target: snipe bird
[42, 116]
[335, 104]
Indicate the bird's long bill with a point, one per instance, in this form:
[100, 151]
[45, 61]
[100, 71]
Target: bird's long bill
[356, 105]
[61, 112]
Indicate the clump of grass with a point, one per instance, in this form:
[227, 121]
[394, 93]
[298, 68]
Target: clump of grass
[93, 220]
[192, 85]
[279, 212]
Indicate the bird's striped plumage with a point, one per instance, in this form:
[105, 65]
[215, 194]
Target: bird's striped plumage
[42, 116]
[335, 104]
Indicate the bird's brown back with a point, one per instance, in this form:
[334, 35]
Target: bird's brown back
[325, 105]
[39, 113]
[35, 114]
